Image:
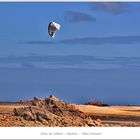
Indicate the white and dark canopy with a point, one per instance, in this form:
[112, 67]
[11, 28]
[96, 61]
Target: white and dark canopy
[52, 28]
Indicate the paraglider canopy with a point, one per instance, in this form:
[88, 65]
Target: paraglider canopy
[52, 28]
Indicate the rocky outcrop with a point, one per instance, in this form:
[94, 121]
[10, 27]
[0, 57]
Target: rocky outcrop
[54, 112]
[96, 103]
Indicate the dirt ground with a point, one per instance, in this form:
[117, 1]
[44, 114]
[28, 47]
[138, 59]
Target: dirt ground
[114, 115]
[111, 116]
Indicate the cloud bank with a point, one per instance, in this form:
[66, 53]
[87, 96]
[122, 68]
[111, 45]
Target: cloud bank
[69, 62]
[112, 7]
[114, 40]
[75, 17]
[40, 42]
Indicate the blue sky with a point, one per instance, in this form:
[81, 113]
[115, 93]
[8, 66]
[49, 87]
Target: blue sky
[101, 38]
[106, 29]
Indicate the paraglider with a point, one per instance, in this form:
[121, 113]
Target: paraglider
[52, 28]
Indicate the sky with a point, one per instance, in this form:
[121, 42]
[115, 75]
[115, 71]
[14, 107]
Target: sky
[95, 55]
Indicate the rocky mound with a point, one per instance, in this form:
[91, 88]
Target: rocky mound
[96, 103]
[54, 112]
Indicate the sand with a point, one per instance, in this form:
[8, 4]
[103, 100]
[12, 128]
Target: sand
[114, 115]
[111, 116]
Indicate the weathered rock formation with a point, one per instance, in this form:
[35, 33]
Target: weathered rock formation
[54, 112]
[96, 103]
